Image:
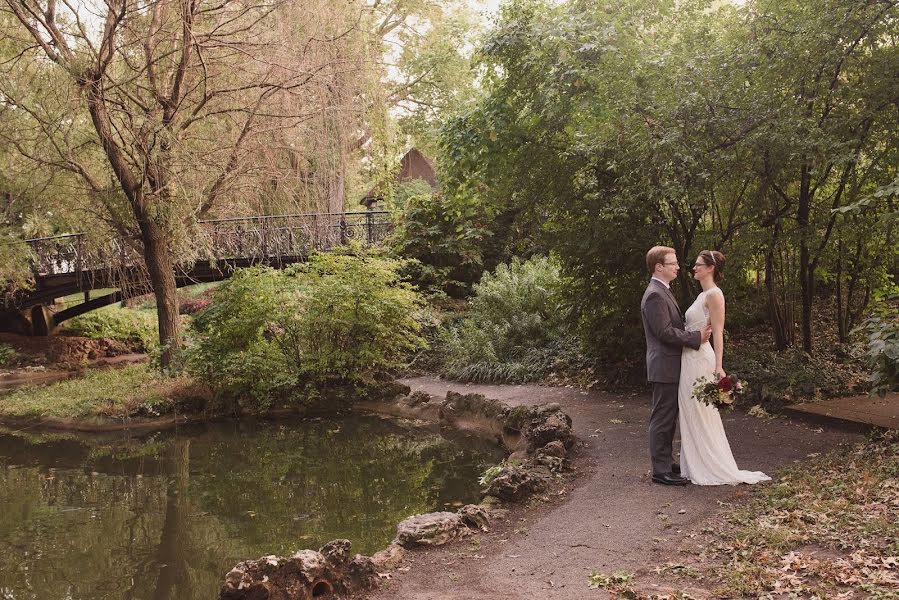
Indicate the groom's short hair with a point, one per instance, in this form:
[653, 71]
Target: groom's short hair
[656, 256]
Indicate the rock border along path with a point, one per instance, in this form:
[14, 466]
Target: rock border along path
[614, 518]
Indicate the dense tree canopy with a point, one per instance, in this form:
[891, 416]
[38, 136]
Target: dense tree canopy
[610, 127]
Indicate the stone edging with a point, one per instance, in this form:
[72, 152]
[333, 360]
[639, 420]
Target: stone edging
[538, 439]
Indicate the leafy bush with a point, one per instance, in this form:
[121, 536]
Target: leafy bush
[137, 327]
[444, 236]
[489, 475]
[273, 335]
[515, 331]
[882, 350]
[8, 355]
[15, 267]
[779, 378]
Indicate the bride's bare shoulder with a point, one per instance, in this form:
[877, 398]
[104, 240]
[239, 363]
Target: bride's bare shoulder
[715, 295]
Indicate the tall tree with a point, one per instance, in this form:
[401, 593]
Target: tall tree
[159, 103]
[820, 76]
[610, 127]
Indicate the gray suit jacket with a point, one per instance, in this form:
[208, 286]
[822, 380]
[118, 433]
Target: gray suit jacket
[663, 326]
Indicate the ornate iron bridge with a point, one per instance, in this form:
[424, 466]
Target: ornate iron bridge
[72, 263]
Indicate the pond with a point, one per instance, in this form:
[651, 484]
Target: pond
[166, 516]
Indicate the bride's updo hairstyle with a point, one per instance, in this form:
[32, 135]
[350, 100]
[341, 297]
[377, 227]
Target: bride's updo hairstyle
[713, 258]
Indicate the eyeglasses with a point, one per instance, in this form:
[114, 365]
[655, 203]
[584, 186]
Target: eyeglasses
[669, 264]
[700, 264]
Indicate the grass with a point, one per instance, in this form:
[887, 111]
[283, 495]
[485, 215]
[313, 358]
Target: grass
[78, 297]
[127, 325]
[135, 390]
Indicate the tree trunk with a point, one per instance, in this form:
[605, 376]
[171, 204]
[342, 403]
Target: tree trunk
[806, 271]
[161, 269]
[779, 324]
[842, 325]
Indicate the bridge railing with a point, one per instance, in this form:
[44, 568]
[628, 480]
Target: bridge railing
[291, 236]
[57, 253]
[261, 238]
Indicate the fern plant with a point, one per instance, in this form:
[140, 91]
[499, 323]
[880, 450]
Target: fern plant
[515, 331]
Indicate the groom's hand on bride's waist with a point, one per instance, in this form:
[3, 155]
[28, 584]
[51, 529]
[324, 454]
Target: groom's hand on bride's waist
[706, 333]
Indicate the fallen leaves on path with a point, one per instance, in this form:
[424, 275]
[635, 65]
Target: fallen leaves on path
[827, 528]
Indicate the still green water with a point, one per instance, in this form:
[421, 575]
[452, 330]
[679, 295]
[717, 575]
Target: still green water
[166, 516]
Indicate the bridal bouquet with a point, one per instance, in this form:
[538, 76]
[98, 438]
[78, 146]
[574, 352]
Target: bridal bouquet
[722, 392]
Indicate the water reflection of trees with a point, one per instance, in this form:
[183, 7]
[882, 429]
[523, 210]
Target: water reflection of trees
[167, 522]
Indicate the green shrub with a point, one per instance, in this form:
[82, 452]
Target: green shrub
[444, 237]
[489, 475]
[779, 378]
[269, 335]
[881, 354]
[8, 355]
[136, 327]
[516, 329]
[15, 264]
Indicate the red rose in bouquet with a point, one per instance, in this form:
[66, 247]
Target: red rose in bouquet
[725, 384]
[720, 391]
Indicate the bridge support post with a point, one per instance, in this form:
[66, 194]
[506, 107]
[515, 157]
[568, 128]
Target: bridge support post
[42, 323]
[38, 320]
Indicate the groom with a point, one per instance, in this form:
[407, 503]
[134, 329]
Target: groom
[663, 326]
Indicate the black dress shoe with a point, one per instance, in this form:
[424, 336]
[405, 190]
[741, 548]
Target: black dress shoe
[675, 468]
[668, 479]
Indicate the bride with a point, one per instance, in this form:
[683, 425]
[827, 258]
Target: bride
[706, 458]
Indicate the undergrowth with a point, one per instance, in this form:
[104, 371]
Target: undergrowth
[135, 390]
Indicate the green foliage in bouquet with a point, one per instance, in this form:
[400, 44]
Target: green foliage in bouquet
[720, 392]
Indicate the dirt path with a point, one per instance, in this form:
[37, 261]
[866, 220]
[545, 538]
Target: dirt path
[612, 519]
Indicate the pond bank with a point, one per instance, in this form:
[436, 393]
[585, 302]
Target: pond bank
[137, 397]
[538, 440]
[21, 377]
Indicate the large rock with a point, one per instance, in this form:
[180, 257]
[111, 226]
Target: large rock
[388, 558]
[553, 456]
[304, 575]
[548, 424]
[431, 529]
[516, 482]
[554, 448]
[470, 405]
[417, 398]
[474, 516]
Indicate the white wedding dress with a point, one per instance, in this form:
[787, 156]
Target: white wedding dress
[705, 456]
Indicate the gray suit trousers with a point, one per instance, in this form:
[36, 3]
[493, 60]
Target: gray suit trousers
[662, 422]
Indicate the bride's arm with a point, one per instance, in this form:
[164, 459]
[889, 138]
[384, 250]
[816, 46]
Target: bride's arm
[715, 303]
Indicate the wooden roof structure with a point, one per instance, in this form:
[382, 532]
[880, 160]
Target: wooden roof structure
[414, 165]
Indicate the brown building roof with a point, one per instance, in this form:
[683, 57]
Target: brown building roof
[414, 165]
